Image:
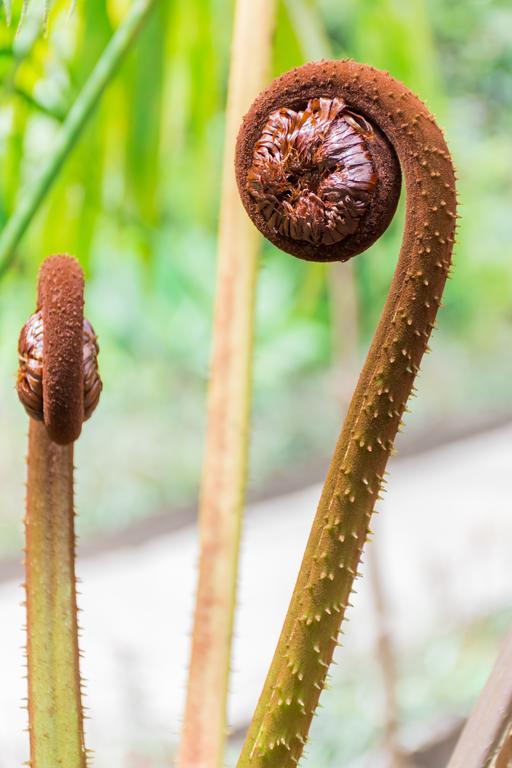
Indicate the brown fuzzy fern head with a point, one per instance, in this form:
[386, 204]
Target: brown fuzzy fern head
[30, 371]
[318, 178]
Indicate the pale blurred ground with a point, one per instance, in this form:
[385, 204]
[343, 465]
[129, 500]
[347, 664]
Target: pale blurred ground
[444, 548]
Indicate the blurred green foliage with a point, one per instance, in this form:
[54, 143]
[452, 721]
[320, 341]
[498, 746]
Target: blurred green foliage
[138, 204]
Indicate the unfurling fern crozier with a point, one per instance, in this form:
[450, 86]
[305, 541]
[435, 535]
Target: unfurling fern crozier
[319, 161]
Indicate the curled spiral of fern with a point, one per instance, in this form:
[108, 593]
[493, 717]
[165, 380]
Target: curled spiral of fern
[318, 162]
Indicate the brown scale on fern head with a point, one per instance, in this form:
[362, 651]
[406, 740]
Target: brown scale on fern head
[30, 372]
[408, 133]
[317, 178]
[58, 379]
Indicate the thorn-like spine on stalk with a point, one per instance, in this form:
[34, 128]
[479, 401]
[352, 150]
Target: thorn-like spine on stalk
[59, 386]
[296, 134]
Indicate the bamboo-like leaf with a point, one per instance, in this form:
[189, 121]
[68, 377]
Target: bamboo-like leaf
[21, 10]
[309, 29]
[78, 116]
[7, 10]
[407, 46]
[78, 211]
[225, 466]
[144, 110]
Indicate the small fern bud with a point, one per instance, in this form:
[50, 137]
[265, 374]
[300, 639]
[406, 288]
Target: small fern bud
[30, 371]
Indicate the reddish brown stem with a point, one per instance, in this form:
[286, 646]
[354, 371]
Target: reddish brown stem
[486, 741]
[309, 636]
[61, 299]
[51, 386]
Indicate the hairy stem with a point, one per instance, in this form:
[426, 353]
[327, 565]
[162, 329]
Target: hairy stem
[486, 741]
[71, 129]
[309, 636]
[55, 708]
[225, 465]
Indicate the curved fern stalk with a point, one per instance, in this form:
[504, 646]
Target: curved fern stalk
[55, 706]
[225, 464]
[59, 386]
[376, 110]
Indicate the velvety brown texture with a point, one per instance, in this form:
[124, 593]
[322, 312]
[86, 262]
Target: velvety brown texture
[292, 92]
[61, 300]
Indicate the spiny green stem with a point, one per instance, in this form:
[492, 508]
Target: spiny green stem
[55, 707]
[225, 466]
[297, 675]
[71, 129]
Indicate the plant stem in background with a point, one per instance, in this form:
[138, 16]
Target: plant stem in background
[386, 659]
[225, 465]
[341, 279]
[309, 29]
[298, 671]
[55, 708]
[344, 320]
[486, 741]
[71, 129]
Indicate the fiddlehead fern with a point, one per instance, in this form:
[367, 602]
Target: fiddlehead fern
[58, 383]
[299, 184]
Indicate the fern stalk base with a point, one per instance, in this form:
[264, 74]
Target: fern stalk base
[55, 707]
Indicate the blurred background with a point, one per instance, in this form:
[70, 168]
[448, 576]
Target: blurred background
[138, 203]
